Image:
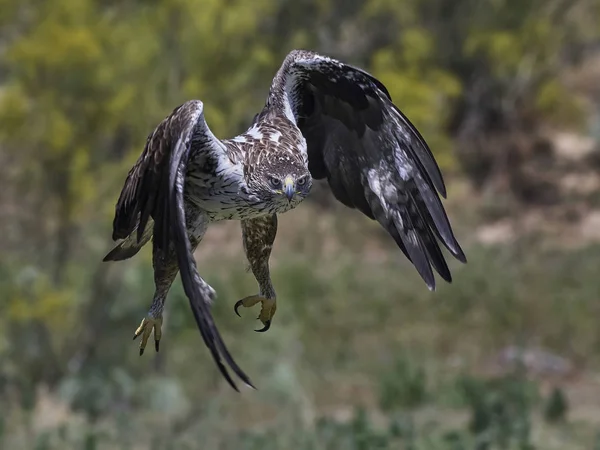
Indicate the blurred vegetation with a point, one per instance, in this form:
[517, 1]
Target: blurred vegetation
[359, 357]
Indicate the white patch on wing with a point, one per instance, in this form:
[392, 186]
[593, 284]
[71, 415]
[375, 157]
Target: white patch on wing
[255, 133]
[275, 136]
[403, 165]
[287, 107]
[373, 178]
[375, 183]
[314, 59]
[379, 183]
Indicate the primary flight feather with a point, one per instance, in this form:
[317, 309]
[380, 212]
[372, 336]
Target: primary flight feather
[323, 119]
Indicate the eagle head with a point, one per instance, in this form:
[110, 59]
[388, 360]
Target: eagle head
[280, 180]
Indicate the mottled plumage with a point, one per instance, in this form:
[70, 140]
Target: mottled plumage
[323, 119]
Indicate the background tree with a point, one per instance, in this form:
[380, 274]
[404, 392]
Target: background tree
[489, 84]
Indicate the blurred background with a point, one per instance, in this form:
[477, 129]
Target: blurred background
[361, 355]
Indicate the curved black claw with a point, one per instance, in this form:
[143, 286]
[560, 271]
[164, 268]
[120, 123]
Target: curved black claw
[157, 345]
[265, 328]
[236, 306]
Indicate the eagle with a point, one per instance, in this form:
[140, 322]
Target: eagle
[323, 119]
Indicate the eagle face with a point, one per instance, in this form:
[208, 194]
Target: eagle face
[281, 181]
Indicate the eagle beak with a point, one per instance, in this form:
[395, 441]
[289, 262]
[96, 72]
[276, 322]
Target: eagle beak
[289, 188]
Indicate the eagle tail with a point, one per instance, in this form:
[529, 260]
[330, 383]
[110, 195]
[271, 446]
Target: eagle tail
[129, 246]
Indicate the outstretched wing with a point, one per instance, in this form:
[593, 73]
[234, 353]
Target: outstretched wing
[374, 159]
[155, 188]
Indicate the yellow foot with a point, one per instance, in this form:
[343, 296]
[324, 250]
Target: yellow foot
[148, 325]
[267, 311]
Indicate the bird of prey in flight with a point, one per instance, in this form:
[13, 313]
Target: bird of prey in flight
[323, 119]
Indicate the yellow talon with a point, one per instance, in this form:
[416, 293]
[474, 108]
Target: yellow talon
[148, 325]
[267, 311]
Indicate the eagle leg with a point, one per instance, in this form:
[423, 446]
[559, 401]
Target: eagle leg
[258, 235]
[166, 268]
[165, 271]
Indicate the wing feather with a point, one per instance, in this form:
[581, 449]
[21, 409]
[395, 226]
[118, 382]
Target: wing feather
[420, 151]
[372, 156]
[155, 188]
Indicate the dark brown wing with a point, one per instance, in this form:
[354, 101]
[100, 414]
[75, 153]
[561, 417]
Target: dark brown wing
[374, 159]
[154, 188]
[149, 177]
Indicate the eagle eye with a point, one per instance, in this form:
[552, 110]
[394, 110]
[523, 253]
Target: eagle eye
[302, 181]
[274, 182]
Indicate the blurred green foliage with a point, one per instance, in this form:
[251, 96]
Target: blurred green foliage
[82, 83]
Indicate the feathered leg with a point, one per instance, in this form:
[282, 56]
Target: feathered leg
[258, 236]
[165, 270]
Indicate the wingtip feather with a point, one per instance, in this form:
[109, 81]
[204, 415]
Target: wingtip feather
[459, 254]
[121, 252]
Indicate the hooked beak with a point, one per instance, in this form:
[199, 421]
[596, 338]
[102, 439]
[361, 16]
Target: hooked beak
[289, 188]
